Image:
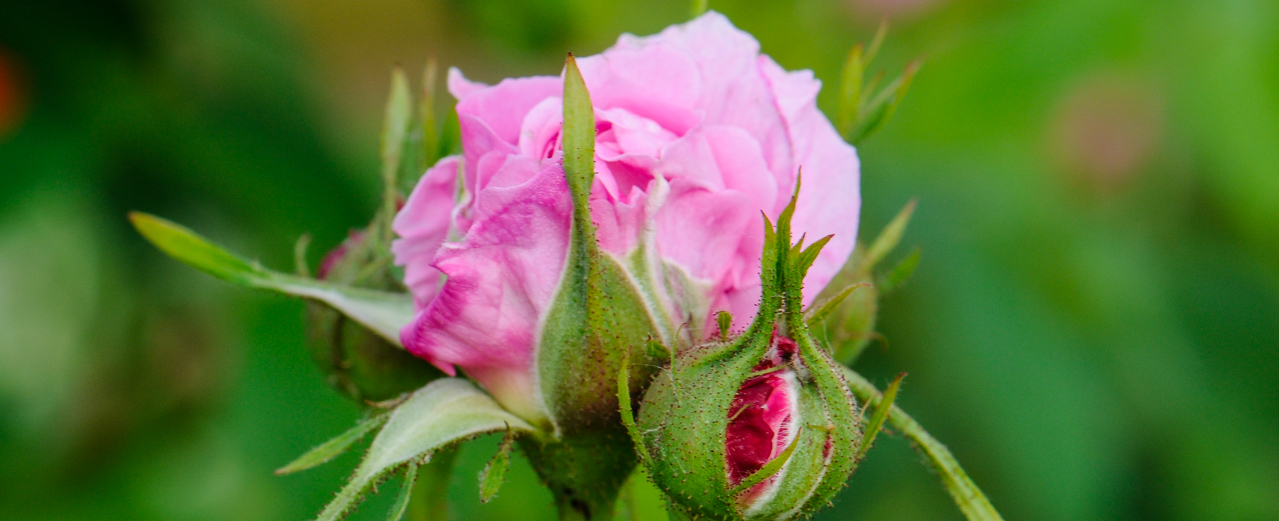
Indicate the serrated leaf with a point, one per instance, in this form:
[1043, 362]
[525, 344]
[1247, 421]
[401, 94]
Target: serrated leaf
[445, 411]
[334, 447]
[494, 473]
[900, 273]
[384, 313]
[967, 496]
[406, 494]
[881, 413]
[888, 238]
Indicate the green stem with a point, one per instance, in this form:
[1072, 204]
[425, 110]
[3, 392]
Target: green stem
[970, 499]
[430, 493]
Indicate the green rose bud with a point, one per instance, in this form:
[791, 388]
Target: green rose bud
[760, 426]
[358, 362]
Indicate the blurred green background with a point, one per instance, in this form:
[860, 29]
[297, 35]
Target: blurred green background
[1094, 328]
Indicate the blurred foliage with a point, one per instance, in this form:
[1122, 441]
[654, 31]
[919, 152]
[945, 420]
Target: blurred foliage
[1093, 328]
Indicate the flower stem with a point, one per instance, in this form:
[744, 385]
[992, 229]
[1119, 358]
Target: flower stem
[970, 499]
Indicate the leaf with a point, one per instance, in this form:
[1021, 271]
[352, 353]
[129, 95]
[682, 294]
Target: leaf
[970, 499]
[494, 473]
[406, 494]
[384, 313]
[445, 411]
[881, 413]
[900, 273]
[334, 447]
[888, 238]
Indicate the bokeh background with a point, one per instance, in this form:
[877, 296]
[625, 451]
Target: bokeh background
[1094, 327]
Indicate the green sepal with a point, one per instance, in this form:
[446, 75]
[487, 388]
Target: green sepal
[818, 312]
[598, 318]
[401, 504]
[851, 326]
[333, 448]
[384, 313]
[494, 473]
[444, 412]
[884, 405]
[967, 496]
[900, 273]
[889, 238]
[769, 469]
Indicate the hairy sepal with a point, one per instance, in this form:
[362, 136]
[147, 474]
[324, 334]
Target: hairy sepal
[685, 412]
[444, 412]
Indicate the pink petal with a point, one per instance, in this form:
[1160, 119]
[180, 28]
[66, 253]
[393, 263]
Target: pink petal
[501, 280]
[829, 199]
[423, 225]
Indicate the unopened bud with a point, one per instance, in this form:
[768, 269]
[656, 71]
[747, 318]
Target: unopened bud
[356, 361]
[760, 426]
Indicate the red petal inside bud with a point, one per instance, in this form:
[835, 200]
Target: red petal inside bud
[759, 426]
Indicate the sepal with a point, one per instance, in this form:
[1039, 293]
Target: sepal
[444, 412]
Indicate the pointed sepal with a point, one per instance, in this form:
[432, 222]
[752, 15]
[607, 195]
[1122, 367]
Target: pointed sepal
[444, 412]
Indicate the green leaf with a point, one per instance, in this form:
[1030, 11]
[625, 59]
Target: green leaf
[494, 473]
[881, 413]
[406, 494]
[334, 447]
[900, 273]
[888, 238]
[384, 313]
[445, 411]
[970, 499]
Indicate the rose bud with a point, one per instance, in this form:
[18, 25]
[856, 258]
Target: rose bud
[760, 426]
[357, 362]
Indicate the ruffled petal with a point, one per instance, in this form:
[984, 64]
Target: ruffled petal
[829, 198]
[501, 281]
[423, 225]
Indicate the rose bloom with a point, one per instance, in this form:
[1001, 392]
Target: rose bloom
[698, 137]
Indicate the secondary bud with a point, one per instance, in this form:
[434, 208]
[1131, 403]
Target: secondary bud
[356, 361]
[760, 426]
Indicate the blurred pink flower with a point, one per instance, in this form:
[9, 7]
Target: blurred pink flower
[697, 134]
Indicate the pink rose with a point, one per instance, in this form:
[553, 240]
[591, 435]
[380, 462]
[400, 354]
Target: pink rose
[697, 134]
